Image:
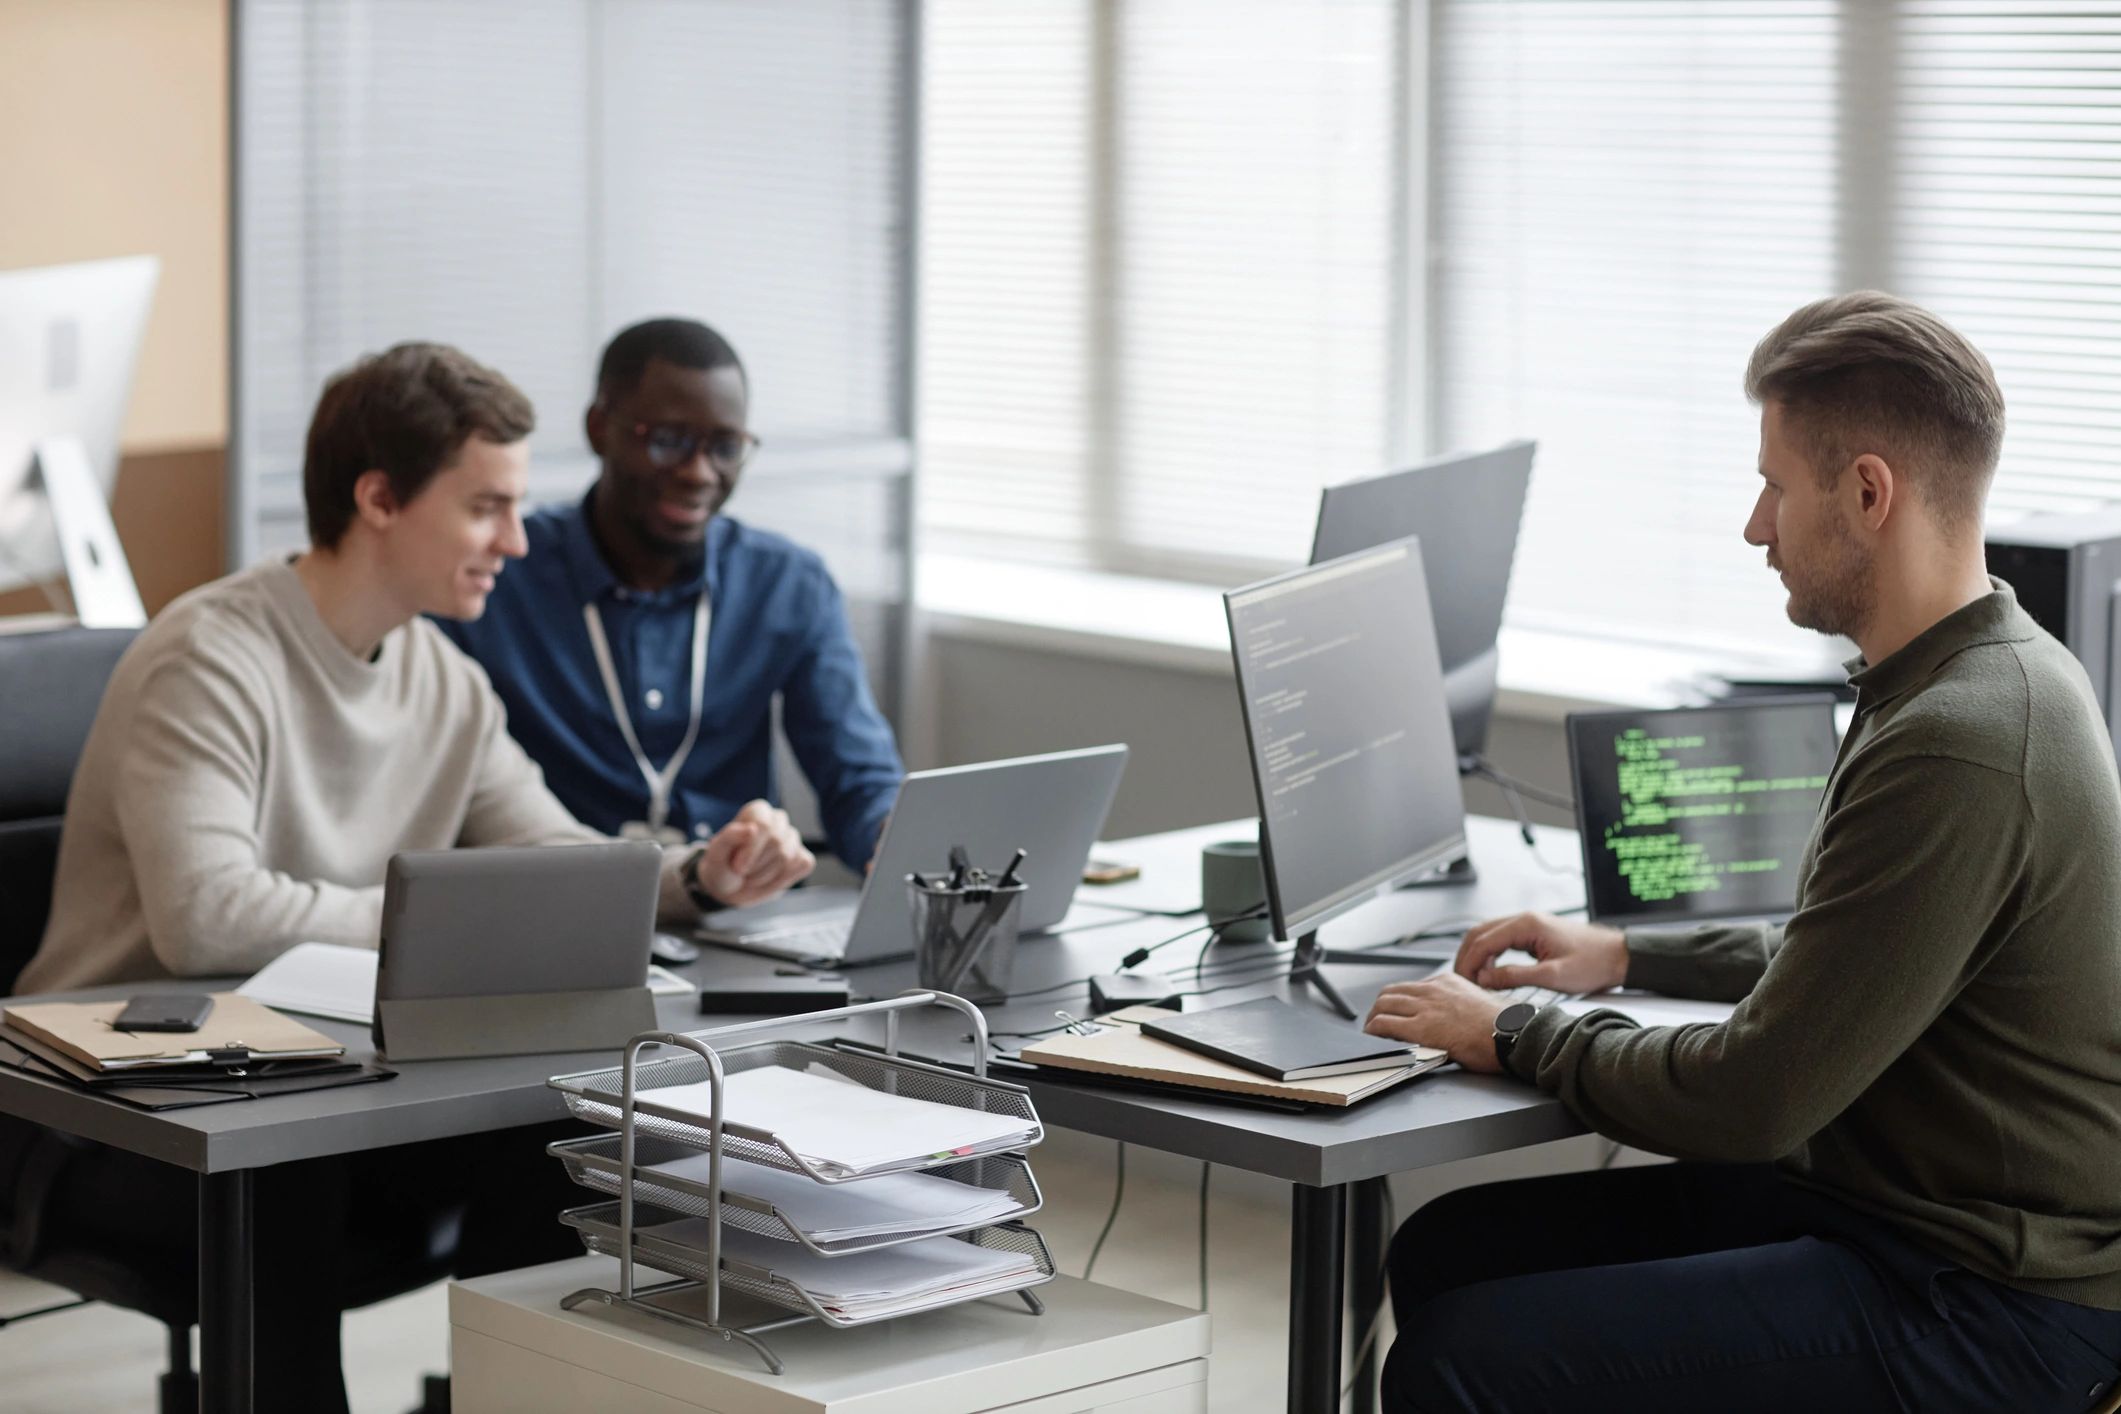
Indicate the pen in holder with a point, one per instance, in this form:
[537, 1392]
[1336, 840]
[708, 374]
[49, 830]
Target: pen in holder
[965, 928]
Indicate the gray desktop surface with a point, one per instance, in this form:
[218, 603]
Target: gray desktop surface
[1433, 1120]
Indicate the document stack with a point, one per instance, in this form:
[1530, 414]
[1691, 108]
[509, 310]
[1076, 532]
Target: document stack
[827, 1185]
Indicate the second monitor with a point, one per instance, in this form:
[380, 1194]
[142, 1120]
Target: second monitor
[1351, 746]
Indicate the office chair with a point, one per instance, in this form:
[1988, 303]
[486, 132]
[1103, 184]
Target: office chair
[50, 685]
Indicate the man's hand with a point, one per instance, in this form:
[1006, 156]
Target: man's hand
[753, 857]
[1572, 957]
[1445, 1011]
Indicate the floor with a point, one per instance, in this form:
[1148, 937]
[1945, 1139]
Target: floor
[99, 1358]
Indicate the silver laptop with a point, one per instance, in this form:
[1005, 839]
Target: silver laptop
[1051, 807]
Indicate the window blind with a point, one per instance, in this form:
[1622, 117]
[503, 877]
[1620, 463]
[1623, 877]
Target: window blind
[2007, 173]
[524, 177]
[1158, 279]
[1629, 193]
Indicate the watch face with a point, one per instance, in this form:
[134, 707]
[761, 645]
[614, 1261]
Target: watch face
[1516, 1017]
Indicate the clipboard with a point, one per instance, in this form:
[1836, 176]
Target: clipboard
[240, 1034]
[164, 1091]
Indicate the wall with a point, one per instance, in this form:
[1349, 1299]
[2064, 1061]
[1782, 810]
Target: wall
[114, 141]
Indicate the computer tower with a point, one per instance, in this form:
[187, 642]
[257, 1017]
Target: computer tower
[2066, 571]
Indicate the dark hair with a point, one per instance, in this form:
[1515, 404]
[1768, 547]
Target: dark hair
[405, 412]
[684, 342]
[1871, 372]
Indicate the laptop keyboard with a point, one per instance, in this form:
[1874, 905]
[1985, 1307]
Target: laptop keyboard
[829, 936]
[1537, 996]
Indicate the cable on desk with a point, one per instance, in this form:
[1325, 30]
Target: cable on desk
[1479, 765]
[1119, 1191]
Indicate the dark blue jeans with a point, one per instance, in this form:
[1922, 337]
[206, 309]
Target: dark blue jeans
[1698, 1286]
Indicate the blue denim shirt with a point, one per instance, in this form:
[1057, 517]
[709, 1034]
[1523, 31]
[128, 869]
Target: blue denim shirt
[779, 626]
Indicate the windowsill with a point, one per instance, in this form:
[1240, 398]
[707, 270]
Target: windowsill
[1179, 626]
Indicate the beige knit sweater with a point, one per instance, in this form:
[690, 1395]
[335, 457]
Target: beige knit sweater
[248, 778]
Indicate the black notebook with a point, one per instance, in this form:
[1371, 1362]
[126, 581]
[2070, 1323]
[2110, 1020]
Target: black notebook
[1277, 1040]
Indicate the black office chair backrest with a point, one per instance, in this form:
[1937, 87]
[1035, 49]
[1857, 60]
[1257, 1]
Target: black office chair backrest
[51, 682]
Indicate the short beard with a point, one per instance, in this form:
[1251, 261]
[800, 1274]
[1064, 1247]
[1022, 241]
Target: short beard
[1833, 594]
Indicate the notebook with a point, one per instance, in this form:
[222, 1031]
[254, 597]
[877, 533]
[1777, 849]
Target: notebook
[1274, 1039]
[1119, 1047]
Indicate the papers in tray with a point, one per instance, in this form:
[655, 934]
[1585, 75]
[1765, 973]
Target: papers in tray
[845, 1129]
[887, 1206]
[867, 1285]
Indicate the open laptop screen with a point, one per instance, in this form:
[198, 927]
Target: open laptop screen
[1699, 813]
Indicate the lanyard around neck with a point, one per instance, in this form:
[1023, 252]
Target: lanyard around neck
[660, 783]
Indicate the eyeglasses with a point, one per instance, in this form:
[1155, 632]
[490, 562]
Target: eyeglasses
[670, 444]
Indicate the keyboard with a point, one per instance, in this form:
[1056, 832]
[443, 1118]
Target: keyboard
[1537, 996]
[798, 939]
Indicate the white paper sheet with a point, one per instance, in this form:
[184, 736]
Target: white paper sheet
[886, 1205]
[845, 1128]
[318, 979]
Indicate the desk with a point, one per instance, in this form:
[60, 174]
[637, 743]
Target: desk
[1431, 1121]
[1434, 1120]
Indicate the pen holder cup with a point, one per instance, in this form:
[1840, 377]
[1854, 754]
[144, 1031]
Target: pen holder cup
[964, 939]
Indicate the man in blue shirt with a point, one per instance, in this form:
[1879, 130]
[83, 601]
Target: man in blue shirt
[639, 645]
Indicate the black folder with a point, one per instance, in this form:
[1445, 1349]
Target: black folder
[1276, 1040]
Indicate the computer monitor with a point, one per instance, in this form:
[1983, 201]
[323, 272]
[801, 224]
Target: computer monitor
[1352, 758]
[69, 339]
[1466, 509]
[1699, 813]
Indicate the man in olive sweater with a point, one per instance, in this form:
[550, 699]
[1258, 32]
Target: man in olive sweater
[1899, 1187]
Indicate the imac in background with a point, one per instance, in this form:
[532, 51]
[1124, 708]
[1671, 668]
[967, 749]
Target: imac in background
[69, 340]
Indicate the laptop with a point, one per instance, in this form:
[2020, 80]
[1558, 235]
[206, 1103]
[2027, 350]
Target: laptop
[1052, 807]
[1699, 814]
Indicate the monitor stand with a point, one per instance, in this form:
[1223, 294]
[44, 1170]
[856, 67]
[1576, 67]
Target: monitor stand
[97, 574]
[1305, 969]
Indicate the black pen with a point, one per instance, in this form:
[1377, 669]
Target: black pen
[959, 863]
[1009, 874]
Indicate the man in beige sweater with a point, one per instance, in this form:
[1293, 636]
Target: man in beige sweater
[274, 737]
[263, 749]
[1900, 1150]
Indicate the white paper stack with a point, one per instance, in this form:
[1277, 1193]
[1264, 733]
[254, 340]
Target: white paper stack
[894, 1205]
[846, 1129]
[869, 1285]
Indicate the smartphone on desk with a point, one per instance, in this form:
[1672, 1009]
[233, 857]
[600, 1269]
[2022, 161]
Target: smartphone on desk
[165, 1011]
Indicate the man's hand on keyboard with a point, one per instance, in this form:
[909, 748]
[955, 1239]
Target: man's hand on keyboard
[1445, 1011]
[1570, 957]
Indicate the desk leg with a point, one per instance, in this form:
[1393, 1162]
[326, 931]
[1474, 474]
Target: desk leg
[1366, 1240]
[226, 1238]
[1318, 1228]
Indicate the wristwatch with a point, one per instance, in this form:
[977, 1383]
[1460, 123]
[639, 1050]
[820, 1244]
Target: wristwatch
[689, 876]
[1509, 1026]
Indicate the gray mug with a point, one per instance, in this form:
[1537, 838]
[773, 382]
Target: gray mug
[1232, 886]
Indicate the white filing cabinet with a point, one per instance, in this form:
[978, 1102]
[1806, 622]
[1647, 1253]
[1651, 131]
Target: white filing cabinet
[1096, 1348]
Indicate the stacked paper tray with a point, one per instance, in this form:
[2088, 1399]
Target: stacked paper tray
[598, 1227]
[596, 1096]
[593, 1162]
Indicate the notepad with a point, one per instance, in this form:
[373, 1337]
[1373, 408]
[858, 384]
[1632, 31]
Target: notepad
[1122, 1049]
[1276, 1040]
[843, 1128]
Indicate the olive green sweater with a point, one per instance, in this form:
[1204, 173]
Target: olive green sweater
[1934, 1038]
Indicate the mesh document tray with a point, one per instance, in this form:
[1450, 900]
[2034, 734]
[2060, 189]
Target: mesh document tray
[596, 1096]
[593, 1162]
[598, 1227]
